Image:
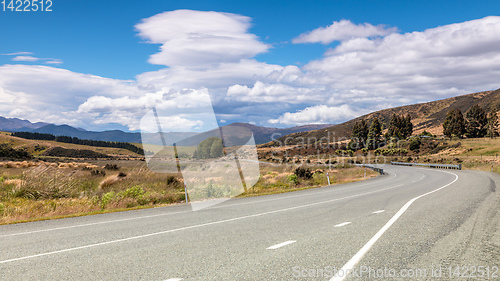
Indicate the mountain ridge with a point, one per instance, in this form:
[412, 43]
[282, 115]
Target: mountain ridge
[427, 116]
[261, 134]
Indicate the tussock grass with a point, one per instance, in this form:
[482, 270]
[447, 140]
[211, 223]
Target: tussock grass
[44, 190]
[281, 178]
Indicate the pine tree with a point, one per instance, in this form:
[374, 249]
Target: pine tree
[454, 124]
[394, 129]
[476, 122]
[374, 134]
[359, 135]
[492, 124]
[407, 127]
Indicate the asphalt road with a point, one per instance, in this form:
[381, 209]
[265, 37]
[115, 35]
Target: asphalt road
[412, 219]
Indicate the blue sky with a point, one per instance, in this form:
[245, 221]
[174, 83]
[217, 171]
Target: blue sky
[98, 64]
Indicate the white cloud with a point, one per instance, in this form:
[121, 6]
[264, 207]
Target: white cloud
[214, 52]
[418, 66]
[215, 78]
[318, 114]
[341, 31]
[18, 54]
[27, 57]
[44, 93]
[177, 110]
[196, 38]
[54, 61]
[262, 92]
[24, 58]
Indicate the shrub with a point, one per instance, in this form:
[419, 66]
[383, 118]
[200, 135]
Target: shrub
[293, 178]
[303, 173]
[415, 144]
[9, 152]
[112, 167]
[98, 173]
[106, 198]
[171, 180]
[133, 192]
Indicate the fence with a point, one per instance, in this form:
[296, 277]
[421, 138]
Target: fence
[437, 166]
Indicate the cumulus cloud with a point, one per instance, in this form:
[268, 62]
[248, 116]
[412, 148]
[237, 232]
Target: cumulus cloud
[53, 94]
[318, 114]
[261, 93]
[194, 38]
[438, 62]
[371, 68]
[341, 31]
[183, 110]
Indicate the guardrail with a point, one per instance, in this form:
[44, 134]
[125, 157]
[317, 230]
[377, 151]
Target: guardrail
[376, 169]
[437, 166]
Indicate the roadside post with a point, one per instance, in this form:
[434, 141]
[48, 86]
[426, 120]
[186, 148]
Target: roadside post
[185, 193]
[328, 178]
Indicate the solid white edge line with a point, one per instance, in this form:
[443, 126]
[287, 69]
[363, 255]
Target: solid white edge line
[349, 266]
[174, 279]
[342, 224]
[192, 226]
[274, 247]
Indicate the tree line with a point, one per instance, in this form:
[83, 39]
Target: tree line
[370, 137]
[476, 123]
[74, 140]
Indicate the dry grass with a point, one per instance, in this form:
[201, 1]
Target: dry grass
[43, 190]
[279, 178]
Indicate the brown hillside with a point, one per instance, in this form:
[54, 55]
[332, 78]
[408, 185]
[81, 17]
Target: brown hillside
[425, 116]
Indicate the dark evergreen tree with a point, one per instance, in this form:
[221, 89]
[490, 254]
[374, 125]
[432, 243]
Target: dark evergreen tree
[492, 125]
[374, 134]
[454, 124]
[406, 126]
[394, 129]
[476, 122]
[359, 135]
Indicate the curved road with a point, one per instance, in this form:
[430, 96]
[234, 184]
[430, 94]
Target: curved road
[411, 220]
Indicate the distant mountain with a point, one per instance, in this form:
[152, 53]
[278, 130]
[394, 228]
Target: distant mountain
[261, 134]
[427, 116]
[66, 130]
[267, 134]
[16, 124]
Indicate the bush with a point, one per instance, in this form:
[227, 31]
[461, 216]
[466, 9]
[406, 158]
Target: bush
[133, 192]
[107, 198]
[173, 181]
[303, 173]
[293, 178]
[112, 167]
[98, 173]
[73, 153]
[9, 152]
[415, 144]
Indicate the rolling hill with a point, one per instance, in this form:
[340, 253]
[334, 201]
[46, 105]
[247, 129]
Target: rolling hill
[261, 134]
[427, 116]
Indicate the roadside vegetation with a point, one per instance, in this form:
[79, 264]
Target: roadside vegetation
[47, 179]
